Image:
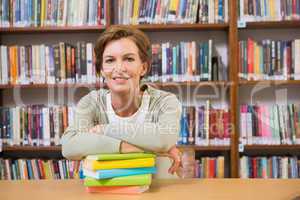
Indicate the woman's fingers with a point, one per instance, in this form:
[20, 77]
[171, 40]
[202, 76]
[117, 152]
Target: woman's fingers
[176, 163]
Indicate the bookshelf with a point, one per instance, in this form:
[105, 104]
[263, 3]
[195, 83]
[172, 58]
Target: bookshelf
[286, 153]
[229, 31]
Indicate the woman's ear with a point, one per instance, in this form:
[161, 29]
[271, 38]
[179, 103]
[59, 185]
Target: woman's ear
[144, 69]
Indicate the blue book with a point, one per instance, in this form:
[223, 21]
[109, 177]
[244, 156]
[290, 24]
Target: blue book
[110, 173]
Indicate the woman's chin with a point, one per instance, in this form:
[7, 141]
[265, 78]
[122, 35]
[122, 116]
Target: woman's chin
[119, 88]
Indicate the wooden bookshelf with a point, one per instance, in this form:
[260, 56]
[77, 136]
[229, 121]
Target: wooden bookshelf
[204, 148]
[180, 27]
[103, 85]
[267, 150]
[31, 149]
[270, 82]
[272, 25]
[234, 84]
[58, 148]
[233, 77]
[283, 147]
[51, 29]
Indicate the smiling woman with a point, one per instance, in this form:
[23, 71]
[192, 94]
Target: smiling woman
[129, 116]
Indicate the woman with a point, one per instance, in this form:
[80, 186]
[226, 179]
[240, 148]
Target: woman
[129, 116]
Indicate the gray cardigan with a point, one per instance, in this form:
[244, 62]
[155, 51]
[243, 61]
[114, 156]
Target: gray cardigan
[159, 132]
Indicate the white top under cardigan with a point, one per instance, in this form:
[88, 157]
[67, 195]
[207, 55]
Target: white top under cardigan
[162, 163]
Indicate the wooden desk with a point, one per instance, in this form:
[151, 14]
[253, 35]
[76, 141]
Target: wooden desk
[187, 189]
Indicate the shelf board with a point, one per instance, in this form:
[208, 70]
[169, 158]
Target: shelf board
[270, 82]
[58, 148]
[145, 27]
[271, 149]
[204, 148]
[57, 85]
[101, 85]
[51, 29]
[272, 24]
[180, 27]
[31, 148]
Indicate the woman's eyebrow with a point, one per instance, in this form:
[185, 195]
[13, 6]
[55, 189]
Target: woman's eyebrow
[108, 56]
[129, 54]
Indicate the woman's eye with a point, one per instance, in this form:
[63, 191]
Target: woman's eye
[109, 61]
[130, 59]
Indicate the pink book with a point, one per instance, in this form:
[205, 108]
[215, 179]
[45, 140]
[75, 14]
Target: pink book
[268, 124]
[118, 189]
[261, 129]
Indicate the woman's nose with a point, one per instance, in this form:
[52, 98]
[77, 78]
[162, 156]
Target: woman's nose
[120, 66]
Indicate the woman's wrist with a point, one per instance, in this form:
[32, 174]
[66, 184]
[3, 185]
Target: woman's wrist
[129, 148]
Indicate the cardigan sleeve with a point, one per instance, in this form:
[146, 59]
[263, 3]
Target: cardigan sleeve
[77, 142]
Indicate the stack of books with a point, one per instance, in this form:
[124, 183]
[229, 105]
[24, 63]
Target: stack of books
[119, 173]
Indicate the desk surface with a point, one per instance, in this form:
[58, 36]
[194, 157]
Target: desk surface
[186, 189]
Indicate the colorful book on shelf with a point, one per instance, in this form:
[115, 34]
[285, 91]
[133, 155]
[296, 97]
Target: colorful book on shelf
[119, 156]
[110, 173]
[118, 164]
[118, 189]
[144, 179]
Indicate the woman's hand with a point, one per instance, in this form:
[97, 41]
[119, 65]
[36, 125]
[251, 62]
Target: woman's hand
[175, 155]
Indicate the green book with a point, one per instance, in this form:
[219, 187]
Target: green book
[143, 179]
[120, 156]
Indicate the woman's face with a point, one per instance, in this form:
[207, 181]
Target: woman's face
[122, 66]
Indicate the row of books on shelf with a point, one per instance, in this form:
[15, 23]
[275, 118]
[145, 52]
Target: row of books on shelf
[186, 61]
[172, 11]
[204, 125]
[33, 13]
[36, 169]
[47, 63]
[66, 63]
[268, 10]
[34, 125]
[210, 167]
[270, 124]
[269, 59]
[269, 167]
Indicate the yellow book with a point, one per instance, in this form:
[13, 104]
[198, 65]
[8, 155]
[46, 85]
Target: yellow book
[220, 165]
[272, 9]
[43, 12]
[118, 164]
[173, 5]
[47, 170]
[135, 12]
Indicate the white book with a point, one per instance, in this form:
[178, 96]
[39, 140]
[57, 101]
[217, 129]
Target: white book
[61, 169]
[226, 11]
[284, 167]
[84, 17]
[65, 13]
[4, 69]
[297, 59]
[46, 126]
[16, 126]
[209, 59]
[42, 63]
[211, 11]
